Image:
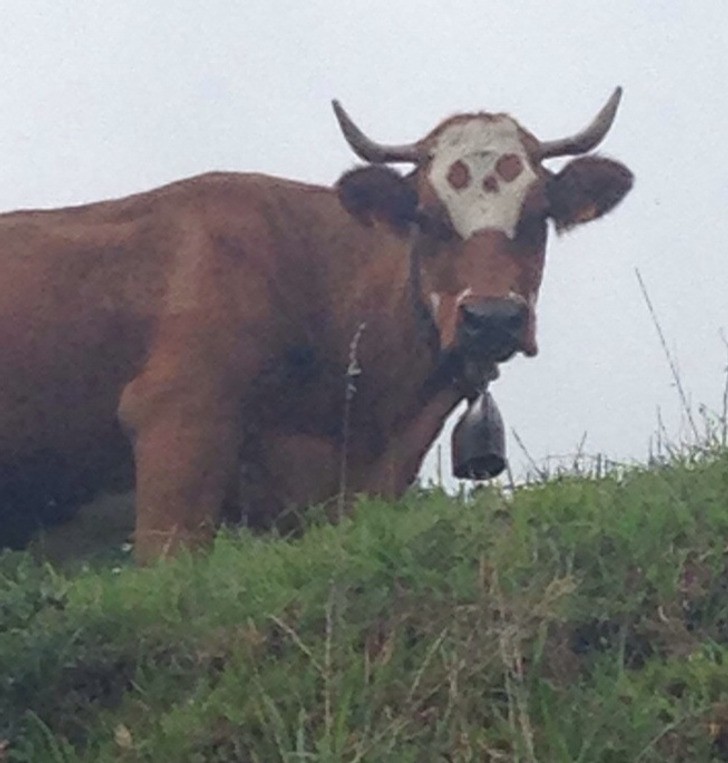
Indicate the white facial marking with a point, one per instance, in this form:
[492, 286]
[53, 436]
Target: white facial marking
[435, 300]
[516, 297]
[464, 294]
[488, 201]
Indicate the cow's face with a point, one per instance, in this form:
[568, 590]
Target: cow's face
[477, 205]
[482, 207]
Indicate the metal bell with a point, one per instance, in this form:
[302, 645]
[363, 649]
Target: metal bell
[478, 441]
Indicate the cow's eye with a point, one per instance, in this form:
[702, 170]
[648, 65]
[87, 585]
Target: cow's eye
[434, 223]
[536, 204]
[535, 210]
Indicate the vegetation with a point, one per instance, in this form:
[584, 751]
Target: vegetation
[577, 620]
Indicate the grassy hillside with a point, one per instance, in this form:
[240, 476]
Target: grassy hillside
[580, 620]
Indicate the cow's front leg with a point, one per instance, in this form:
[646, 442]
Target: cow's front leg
[397, 468]
[185, 450]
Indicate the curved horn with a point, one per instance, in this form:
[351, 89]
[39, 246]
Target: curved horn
[588, 138]
[366, 148]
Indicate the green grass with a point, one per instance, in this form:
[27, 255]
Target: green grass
[581, 620]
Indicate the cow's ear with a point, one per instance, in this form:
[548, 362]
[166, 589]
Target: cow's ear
[378, 192]
[585, 189]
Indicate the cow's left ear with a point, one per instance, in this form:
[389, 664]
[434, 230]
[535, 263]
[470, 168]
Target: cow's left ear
[377, 191]
[585, 189]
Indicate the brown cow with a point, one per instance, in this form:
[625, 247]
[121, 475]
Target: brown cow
[210, 322]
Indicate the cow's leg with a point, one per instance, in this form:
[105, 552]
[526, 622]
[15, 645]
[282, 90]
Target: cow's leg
[301, 470]
[297, 471]
[288, 473]
[396, 469]
[185, 439]
[308, 469]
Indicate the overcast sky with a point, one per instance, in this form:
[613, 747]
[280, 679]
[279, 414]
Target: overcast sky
[102, 98]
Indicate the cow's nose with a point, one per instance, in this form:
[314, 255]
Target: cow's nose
[493, 326]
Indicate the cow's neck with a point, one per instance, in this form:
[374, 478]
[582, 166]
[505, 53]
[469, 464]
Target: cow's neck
[426, 326]
[398, 347]
[351, 290]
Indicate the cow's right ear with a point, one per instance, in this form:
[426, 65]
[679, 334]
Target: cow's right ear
[378, 192]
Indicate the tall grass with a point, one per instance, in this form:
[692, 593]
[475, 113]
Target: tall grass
[576, 620]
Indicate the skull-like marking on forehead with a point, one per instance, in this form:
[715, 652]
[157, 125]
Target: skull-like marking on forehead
[481, 172]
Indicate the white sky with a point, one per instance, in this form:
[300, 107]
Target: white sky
[100, 98]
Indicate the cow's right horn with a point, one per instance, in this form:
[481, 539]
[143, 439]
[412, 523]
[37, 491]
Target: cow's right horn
[366, 148]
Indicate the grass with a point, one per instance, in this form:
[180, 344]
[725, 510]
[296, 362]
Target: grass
[576, 620]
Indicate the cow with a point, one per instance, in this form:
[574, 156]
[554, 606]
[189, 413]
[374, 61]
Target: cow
[238, 339]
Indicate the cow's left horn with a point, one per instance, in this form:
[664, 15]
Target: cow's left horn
[588, 138]
[366, 148]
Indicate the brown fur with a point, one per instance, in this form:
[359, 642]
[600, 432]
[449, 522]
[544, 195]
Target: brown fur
[176, 310]
[209, 323]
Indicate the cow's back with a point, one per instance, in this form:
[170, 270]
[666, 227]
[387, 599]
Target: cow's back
[86, 294]
[79, 291]
[83, 293]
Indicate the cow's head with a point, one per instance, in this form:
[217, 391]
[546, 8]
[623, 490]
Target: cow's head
[476, 205]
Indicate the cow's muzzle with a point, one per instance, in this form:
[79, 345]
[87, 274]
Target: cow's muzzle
[492, 327]
[478, 441]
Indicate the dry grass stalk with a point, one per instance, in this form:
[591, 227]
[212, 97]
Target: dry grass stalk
[673, 367]
[353, 371]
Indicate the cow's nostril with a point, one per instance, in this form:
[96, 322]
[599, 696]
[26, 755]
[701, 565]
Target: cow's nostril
[516, 319]
[494, 314]
[493, 326]
[472, 317]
